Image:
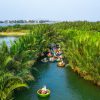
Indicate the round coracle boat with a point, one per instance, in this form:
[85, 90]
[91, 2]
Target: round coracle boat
[60, 64]
[42, 93]
[44, 60]
[51, 59]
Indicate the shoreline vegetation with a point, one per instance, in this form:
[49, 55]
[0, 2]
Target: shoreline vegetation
[79, 42]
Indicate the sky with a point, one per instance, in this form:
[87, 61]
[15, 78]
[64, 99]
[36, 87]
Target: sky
[58, 10]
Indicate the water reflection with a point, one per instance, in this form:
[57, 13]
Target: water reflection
[81, 88]
[7, 40]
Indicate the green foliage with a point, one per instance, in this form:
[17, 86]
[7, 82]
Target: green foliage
[79, 41]
[8, 83]
[82, 50]
[16, 62]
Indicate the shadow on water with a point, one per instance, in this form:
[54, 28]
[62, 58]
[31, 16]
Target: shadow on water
[63, 83]
[84, 90]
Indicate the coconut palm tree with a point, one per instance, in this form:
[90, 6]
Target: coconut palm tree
[8, 83]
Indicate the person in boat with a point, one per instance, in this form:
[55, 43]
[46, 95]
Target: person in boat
[49, 54]
[58, 53]
[54, 54]
[54, 49]
[43, 90]
[52, 58]
[61, 57]
[60, 63]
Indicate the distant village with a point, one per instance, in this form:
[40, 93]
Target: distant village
[26, 21]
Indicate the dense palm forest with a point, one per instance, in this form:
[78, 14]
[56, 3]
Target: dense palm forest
[79, 41]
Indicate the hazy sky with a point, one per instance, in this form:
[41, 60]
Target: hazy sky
[50, 9]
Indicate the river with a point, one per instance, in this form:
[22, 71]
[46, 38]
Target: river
[63, 83]
[12, 24]
[7, 40]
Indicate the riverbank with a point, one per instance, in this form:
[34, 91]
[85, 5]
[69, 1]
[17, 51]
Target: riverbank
[85, 75]
[10, 34]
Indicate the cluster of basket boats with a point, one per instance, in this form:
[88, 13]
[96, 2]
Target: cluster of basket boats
[54, 54]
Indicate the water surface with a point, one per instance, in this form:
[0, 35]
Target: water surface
[7, 40]
[63, 83]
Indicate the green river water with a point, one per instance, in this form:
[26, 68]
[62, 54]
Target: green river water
[63, 83]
